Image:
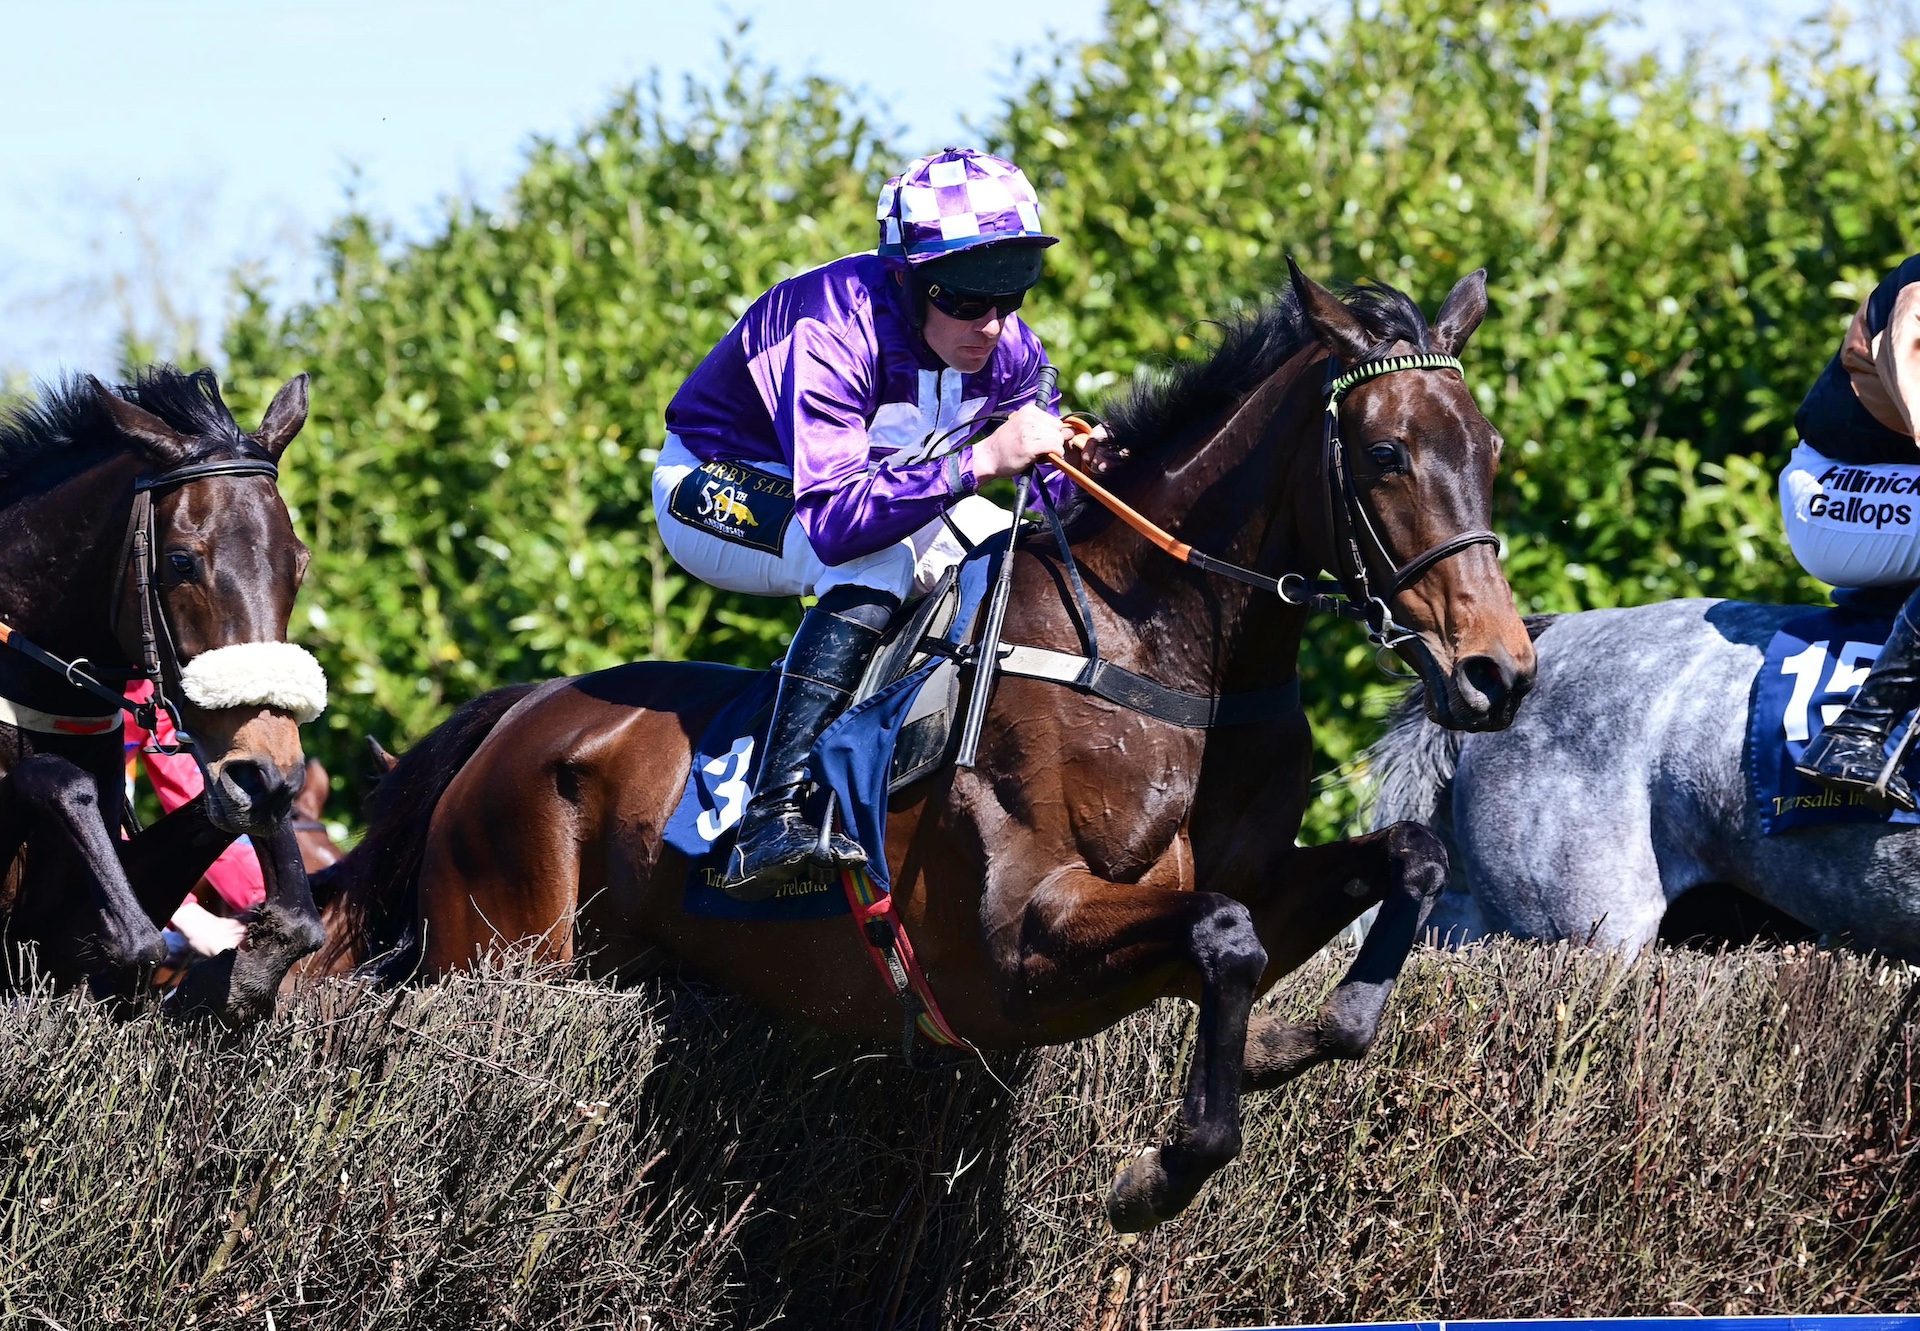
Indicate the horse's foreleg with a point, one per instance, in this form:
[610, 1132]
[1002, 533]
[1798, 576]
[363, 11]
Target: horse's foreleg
[1086, 939]
[241, 986]
[162, 864]
[56, 805]
[165, 861]
[1323, 888]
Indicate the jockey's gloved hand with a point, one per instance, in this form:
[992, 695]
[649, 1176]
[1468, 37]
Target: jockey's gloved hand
[1023, 439]
[203, 933]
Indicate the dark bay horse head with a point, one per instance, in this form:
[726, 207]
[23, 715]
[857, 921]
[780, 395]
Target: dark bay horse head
[1421, 457]
[1237, 454]
[163, 496]
[228, 567]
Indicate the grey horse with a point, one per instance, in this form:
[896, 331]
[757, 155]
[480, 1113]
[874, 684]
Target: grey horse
[1621, 787]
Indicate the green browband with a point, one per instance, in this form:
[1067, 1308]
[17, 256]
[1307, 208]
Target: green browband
[1374, 369]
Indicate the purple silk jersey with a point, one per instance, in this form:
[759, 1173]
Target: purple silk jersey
[825, 374]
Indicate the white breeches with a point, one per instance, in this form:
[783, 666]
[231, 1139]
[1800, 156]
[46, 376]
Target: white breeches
[907, 568]
[1852, 525]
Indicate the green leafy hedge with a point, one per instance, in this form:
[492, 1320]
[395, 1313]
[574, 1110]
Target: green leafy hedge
[1540, 1132]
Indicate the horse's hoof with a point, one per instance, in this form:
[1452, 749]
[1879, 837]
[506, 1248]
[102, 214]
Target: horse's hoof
[1130, 1202]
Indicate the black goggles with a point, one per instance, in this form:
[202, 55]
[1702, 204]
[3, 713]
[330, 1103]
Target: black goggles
[970, 305]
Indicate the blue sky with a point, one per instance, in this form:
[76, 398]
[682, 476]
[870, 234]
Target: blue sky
[153, 147]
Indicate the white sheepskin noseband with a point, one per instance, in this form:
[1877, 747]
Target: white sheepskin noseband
[257, 674]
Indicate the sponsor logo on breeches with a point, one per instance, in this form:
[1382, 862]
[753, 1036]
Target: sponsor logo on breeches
[1847, 497]
[738, 503]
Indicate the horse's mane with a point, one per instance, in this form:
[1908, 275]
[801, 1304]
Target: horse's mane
[1163, 405]
[66, 419]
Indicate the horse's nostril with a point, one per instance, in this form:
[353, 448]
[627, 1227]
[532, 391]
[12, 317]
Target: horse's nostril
[1486, 680]
[267, 790]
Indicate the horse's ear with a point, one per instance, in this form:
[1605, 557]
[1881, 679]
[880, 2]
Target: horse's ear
[285, 415]
[1465, 307]
[383, 762]
[1337, 327]
[153, 436]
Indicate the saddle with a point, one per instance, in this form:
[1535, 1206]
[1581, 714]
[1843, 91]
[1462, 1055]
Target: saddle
[901, 728]
[929, 630]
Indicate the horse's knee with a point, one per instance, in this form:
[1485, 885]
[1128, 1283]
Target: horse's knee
[1228, 948]
[53, 783]
[1422, 858]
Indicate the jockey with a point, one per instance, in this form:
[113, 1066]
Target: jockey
[830, 440]
[1851, 499]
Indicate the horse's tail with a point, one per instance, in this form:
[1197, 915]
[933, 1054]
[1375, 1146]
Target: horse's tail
[1412, 765]
[1411, 768]
[377, 884]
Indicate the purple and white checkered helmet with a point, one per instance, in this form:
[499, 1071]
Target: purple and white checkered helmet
[957, 199]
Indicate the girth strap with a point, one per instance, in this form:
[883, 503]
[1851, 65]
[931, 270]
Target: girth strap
[1117, 684]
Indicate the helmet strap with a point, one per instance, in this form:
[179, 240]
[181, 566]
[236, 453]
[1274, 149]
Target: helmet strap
[913, 300]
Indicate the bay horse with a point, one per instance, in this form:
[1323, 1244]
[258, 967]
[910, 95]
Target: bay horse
[142, 535]
[1096, 858]
[1623, 792]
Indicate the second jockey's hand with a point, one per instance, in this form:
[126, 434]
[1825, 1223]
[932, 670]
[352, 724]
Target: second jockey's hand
[1026, 436]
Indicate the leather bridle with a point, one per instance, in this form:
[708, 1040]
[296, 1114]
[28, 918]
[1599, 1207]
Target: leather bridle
[1357, 547]
[1350, 593]
[159, 657]
[1356, 541]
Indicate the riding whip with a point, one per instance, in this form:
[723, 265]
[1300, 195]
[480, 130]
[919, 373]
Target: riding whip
[987, 654]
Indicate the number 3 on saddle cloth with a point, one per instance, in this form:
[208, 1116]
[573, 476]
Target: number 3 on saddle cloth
[1811, 668]
[898, 731]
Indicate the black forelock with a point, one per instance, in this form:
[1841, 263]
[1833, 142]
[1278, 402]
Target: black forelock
[66, 417]
[1389, 314]
[188, 402]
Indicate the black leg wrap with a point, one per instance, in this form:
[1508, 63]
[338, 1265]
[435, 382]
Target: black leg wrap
[776, 842]
[1849, 753]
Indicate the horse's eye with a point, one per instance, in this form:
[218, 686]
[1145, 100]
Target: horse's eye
[1388, 457]
[182, 564]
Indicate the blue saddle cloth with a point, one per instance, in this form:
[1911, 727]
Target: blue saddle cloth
[853, 760]
[1812, 666]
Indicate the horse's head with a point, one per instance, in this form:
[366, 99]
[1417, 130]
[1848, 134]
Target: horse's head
[216, 587]
[1421, 459]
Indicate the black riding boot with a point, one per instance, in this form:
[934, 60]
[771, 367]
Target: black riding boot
[830, 652]
[1848, 754]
